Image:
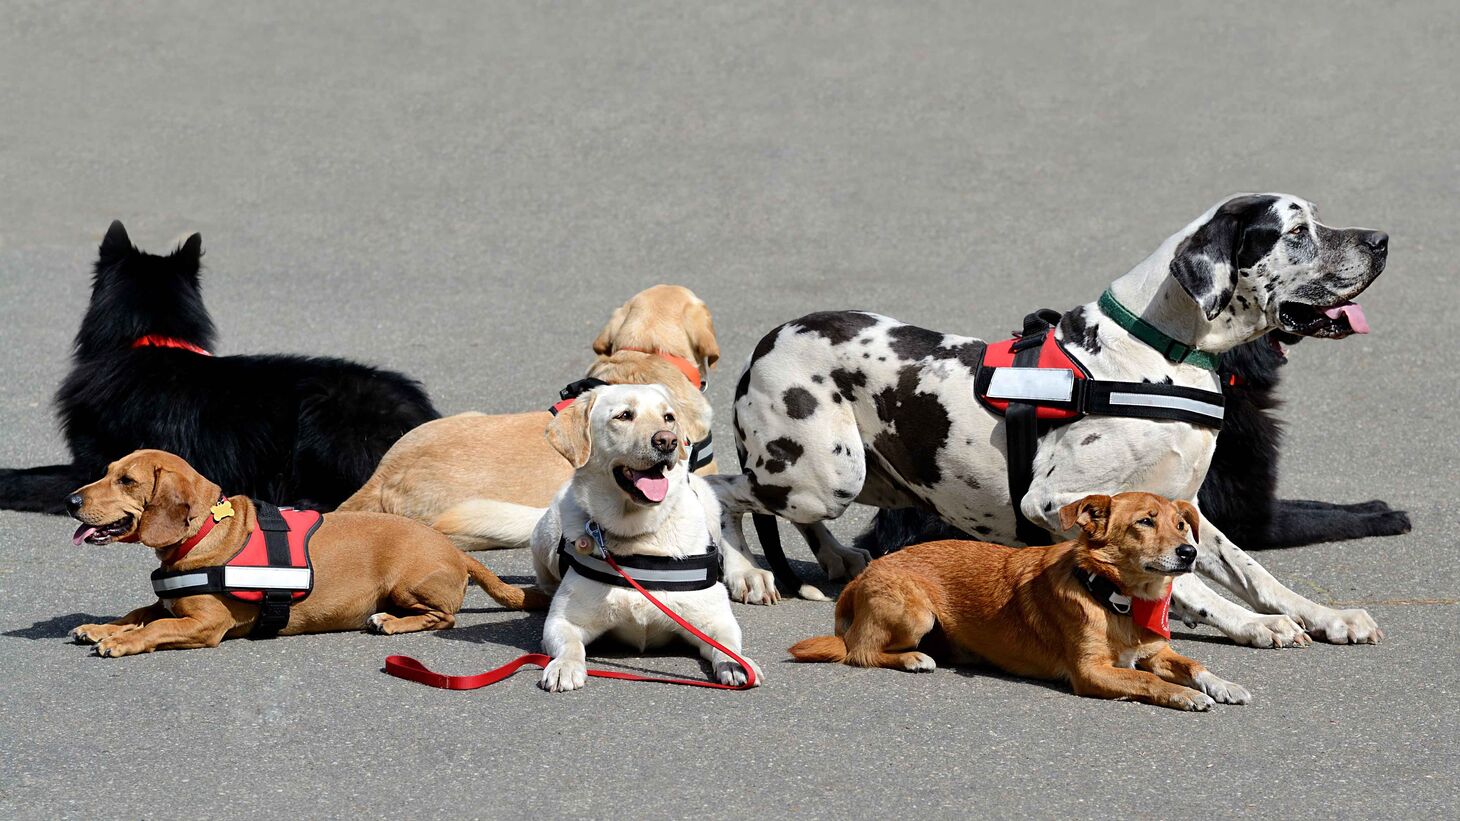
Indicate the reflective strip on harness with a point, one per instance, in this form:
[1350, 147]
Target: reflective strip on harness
[701, 453]
[277, 578]
[1040, 384]
[171, 583]
[653, 572]
[1215, 411]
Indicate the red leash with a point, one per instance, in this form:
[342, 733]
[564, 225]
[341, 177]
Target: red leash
[408, 668]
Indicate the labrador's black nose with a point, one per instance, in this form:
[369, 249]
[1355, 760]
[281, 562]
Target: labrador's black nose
[1377, 242]
[73, 503]
[1186, 553]
[665, 441]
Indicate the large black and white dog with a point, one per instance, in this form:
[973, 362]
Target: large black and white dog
[850, 406]
[301, 431]
[1239, 494]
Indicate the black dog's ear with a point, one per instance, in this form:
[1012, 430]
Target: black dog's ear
[192, 248]
[116, 244]
[1240, 233]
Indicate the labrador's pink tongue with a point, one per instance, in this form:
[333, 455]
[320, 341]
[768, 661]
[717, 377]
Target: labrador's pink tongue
[81, 534]
[654, 488]
[1354, 313]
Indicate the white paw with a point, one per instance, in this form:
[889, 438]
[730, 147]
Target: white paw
[376, 623]
[752, 585]
[728, 672]
[1345, 627]
[811, 592]
[1222, 690]
[562, 675]
[919, 663]
[1271, 631]
[1193, 701]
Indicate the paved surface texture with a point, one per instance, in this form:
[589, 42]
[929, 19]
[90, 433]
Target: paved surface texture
[464, 192]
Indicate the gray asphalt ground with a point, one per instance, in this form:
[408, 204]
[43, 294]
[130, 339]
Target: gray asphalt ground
[465, 191]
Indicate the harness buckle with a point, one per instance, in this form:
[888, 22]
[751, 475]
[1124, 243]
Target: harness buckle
[1185, 351]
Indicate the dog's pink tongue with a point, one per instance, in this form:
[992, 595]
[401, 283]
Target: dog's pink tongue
[654, 488]
[1353, 312]
[81, 534]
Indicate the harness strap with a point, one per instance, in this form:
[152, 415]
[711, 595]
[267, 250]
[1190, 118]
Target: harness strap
[701, 453]
[655, 572]
[1021, 426]
[411, 670]
[274, 607]
[1151, 614]
[161, 341]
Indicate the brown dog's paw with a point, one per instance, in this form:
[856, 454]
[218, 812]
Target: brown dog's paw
[122, 644]
[1191, 700]
[93, 633]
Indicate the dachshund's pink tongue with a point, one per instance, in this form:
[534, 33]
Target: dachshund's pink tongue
[654, 488]
[81, 534]
[1353, 313]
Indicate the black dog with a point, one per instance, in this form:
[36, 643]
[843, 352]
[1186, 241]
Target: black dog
[1238, 494]
[301, 431]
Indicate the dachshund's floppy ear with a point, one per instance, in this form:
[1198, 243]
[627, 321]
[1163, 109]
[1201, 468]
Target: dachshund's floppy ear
[1091, 513]
[1240, 232]
[1188, 512]
[700, 329]
[177, 500]
[570, 433]
[603, 345]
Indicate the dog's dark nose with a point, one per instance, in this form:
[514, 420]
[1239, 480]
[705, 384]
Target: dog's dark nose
[665, 441]
[73, 503]
[1377, 242]
[1186, 553]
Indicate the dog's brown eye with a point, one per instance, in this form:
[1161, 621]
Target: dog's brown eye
[126, 481]
[1181, 526]
[1146, 522]
[1296, 230]
[669, 417]
[626, 416]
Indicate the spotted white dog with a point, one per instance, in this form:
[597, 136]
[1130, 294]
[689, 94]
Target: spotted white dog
[849, 406]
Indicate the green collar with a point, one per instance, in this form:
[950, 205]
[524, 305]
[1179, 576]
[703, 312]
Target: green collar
[1172, 349]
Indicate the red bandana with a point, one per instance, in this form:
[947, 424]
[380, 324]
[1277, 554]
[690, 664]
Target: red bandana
[1152, 614]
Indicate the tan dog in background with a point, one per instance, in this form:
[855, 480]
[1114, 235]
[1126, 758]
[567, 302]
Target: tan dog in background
[433, 469]
[1025, 611]
[365, 564]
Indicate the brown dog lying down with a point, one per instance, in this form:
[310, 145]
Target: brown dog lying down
[365, 564]
[432, 470]
[1050, 613]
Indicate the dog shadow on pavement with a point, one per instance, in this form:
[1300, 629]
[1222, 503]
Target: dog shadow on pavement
[56, 627]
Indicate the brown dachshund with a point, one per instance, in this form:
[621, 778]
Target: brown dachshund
[371, 570]
[1068, 611]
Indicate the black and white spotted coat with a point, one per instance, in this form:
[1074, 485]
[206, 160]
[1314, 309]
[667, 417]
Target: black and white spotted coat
[850, 406]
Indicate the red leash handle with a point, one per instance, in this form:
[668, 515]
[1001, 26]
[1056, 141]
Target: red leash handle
[408, 668]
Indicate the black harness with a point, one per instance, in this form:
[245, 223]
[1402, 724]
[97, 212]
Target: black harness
[1044, 386]
[651, 572]
[701, 453]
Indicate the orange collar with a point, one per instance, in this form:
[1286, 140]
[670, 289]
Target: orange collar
[685, 366]
[160, 341]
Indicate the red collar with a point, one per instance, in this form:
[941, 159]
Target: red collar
[160, 341]
[685, 366]
[187, 546]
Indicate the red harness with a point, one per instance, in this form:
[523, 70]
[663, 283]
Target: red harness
[160, 341]
[1052, 355]
[271, 569]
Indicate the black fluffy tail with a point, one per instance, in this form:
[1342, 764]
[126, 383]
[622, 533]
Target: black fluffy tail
[41, 490]
[895, 528]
